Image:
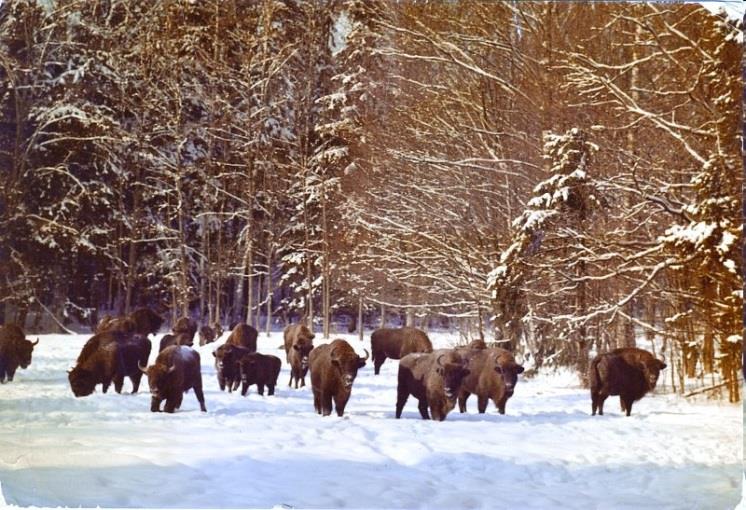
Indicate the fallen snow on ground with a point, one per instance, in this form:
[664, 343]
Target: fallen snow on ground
[546, 452]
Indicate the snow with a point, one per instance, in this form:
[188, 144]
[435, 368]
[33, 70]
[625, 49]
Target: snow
[546, 452]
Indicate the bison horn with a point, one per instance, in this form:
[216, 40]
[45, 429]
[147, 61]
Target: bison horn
[142, 368]
[333, 354]
[440, 363]
[35, 343]
[367, 355]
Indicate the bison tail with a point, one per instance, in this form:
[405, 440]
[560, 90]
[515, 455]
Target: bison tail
[594, 377]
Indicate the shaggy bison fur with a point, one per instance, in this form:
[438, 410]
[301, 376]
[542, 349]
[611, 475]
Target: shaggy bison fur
[208, 334]
[176, 371]
[493, 374]
[432, 378]
[395, 343]
[260, 369]
[142, 321]
[15, 351]
[298, 344]
[187, 328]
[334, 367]
[228, 371]
[628, 372]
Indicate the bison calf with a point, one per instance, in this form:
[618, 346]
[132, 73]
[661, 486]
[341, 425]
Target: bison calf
[260, 369]
[15, 351]
[298, 344]
[629, 372]
[493, 374]
[176, 370]
[395, 343]
[432, 378]
[334, 367]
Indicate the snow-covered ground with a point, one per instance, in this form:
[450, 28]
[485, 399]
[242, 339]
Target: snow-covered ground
[257, 452]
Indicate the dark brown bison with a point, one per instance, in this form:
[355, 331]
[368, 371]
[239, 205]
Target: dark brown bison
[109, 357]
[260, 369]
[244, 336]
[132, 353]
[395, 343]
[116, 324]
[298, 343]
[432, 378]
[227, 357]
[628, 372]
[176, 371]
[334, 367]
[186, 327]
[492, 375]
[15, 351]
[147, 321]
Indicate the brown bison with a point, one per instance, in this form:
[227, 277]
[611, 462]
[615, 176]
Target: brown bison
[186, 327]
[109, 357]
[628, 372]
[15, 351]
[334, 367]
[244, 336]
[176, 371]
[492, 375]
[260, 369]
[227, 357]
[177, 339]
[142, 321]
[432, 378]
[298, 344]
[208, 334]
[395, 343]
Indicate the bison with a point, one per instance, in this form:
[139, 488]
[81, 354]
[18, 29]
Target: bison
[142, 321]
[244, 336]
[260, 369]
[208, 334]
[176, 371]
[395, 343]
[434, 379]
[177, 339]
[298, 343]
[334, 367]
[228, 371]
[131, 354]
[186, 327]
[492, 375]
[629, 372]
[109, 357]
[15, 351]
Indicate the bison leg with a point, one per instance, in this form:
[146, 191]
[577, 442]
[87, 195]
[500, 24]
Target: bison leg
[244, 388]
[271, 390]
[317, 400]
[482, 403]
[401, 399]
[422, 406]
[118, 381]
[626, 402]
[463, 396]
[136, 381]
[377, 362]
[170, 406]
[260, 389]
[105, 385]
[500, 404]
[236, 382]
[340, 401]
[594, 403]
[155, 405]
[303, 373]
[200, 397]
[290, 383]
[221, 381]
[11, 374]
[600, 399]
[326, 403]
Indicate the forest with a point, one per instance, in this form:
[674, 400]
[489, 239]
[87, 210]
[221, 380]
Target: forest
[562, 178]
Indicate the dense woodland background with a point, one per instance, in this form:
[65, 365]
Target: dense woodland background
[565, 177]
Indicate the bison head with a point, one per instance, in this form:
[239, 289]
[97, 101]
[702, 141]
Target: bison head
[508, 371]
[452, 371]
[82, 382]
[24, 349]
[303, 348]
[347, 364]
[652, 369]
[305, 334]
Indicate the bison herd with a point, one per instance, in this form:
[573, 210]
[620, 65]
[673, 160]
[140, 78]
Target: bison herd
[438, 379]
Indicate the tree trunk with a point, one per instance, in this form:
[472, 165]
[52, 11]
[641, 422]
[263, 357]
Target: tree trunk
[268, 321]
[360, 317]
